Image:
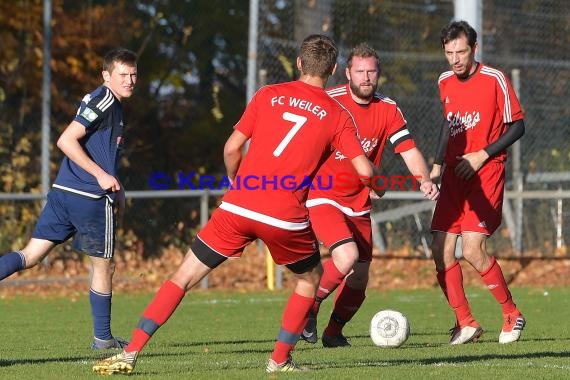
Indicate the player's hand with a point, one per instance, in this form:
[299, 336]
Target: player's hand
[470, 163]
[376, 194]
[108, 183]
[430, 190]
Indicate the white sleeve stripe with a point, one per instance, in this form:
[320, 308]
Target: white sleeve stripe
[401, 114]
[385, 99]
[103, 100]
[107, 100]
[351, 117]
[398, 135]
[444, 75]
[336, 92]
[507, 117]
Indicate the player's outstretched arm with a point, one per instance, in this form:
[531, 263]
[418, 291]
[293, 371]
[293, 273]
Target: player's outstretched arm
[417, 166]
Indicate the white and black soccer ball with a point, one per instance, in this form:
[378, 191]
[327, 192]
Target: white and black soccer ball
[389, 328]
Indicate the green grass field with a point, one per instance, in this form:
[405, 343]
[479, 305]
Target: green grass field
[215, 335]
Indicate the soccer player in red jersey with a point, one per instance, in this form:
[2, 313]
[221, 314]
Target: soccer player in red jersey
[341, 215]
[484, 118]
[292, 128]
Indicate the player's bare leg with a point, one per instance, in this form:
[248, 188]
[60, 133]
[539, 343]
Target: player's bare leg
[35, 251]
[343, 258]
[157, 313]
[349, 297]
[16, 261]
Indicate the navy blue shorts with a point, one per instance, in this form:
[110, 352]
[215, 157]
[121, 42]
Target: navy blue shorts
[90, 221]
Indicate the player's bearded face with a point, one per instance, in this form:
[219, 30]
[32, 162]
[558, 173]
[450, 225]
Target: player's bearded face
[363, 90]
[363, 77]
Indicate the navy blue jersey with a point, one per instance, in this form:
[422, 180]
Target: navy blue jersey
[102, 115]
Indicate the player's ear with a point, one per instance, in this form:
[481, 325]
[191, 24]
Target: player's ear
[347, 73]
[106, 75]
[475, 49]
[334, 69]
[299, 66]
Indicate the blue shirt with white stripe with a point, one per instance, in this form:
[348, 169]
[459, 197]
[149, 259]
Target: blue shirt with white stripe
[102, 115]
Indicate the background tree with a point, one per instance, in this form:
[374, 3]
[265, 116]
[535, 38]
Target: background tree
[190, 93]
[78, 40]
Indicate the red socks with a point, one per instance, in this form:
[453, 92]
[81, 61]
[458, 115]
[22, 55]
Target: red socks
[292, 324]
[451, 282]
[330, 280]
[156, 314]
[495, 281]
[348, 301]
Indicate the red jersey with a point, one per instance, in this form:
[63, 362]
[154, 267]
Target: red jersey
[292, 127]
[477, 110]
[378, 122]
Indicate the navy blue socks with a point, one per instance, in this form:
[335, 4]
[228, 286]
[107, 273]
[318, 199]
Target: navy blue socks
[10, 263]
[101, 312]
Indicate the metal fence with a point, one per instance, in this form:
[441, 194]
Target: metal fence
[527, 36]
[520, 37]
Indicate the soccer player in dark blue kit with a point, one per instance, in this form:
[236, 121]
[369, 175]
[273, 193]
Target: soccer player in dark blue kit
[86, 193]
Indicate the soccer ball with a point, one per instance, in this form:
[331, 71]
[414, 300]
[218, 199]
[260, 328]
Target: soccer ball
[389, 328]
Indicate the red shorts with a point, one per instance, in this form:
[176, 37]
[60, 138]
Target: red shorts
[475, 205]
[228, 234]
[332, 226]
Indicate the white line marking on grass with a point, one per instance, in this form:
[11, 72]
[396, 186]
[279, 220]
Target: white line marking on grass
[236, 301]
[451, 364]
[500, 364]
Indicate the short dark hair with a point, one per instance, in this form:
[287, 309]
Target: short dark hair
[365, 51]
[318, 55]
[121, 55]
[455, 29]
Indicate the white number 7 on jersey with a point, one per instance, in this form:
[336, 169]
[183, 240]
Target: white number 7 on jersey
[299, 121]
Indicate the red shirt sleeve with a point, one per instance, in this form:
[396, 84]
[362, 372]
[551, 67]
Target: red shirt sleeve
[509, 104]
[247, 121]
[346, 137]
[399, 135]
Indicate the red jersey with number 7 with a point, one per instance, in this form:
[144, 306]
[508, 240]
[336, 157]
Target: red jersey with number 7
[293, 127]
[477, 110]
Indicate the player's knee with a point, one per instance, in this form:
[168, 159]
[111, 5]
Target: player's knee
[345, 258]
[104, 268]
[437, 245]
[31, 262]
[437, 249]
[438, 256]
[477, 258]
[111, 268]
[357, 281]
[31, 259]
[473, 250]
